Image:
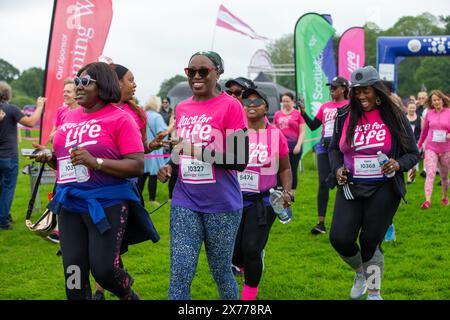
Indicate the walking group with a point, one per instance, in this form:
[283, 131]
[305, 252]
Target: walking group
[231, 173]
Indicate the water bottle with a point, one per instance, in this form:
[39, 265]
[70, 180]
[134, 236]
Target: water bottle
[81, 171]
[276, 201]
[382, 159]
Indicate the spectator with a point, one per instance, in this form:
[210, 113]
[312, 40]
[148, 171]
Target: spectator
[166, 111]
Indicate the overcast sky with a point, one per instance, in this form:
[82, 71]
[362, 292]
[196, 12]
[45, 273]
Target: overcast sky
[155, 38]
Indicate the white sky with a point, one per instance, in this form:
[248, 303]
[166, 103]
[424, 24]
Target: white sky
[156, 38]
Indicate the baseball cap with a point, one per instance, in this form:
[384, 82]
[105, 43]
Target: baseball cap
[363, 77]
[259, 93]
[338, 82]
[241, 81]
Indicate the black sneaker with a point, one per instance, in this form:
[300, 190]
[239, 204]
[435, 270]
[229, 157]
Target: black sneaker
[319, 228]
[98, 295]
[59, 253]
[5, 227]
[53, 238]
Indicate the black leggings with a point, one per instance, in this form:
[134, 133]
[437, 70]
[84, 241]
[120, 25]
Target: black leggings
[323, 193]
[294, 160]
[152, 184]
[173, 180]
[369, 218]
[84, 249]
[250, 241]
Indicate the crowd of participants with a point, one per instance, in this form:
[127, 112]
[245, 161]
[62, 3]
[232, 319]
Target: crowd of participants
[222, 156]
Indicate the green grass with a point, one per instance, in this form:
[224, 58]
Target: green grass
[298, 265]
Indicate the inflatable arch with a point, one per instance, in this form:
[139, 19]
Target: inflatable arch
[392, 50]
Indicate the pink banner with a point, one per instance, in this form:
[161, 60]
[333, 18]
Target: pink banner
[352, 53]
[78, 36]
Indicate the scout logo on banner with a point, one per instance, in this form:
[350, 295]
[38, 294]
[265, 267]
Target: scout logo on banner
[311, 35]
[351, 51]
[78, 34]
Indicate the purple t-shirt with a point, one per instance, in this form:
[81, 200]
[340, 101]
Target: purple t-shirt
[201, 186]
[371, 135]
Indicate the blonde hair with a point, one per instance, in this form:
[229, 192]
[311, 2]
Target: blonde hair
[69, 81]
[5, 91]
[154, 103]
[441, 95]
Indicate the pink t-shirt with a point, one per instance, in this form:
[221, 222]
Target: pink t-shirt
[108, 133]
[371, 135]
[327, 115]
[141, 124]
[60, 115]
[435, 129]
[266, 148]
[289, 124]
[201, 186]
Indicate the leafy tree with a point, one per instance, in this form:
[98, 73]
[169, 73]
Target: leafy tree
[7, 71]
[31, 82]
[434, 73]
[169, 84]
[282, 52]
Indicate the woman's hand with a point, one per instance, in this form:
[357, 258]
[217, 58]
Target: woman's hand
[301, 105]
[43, 155]
[287, 198]
[390, 167]
[297, 149]
[341, 175]
[80, 155]
[158, 142]
[164, 173]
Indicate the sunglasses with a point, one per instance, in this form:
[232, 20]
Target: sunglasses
[236, 93]
[256, 102]
[202, 72]
[84, 81]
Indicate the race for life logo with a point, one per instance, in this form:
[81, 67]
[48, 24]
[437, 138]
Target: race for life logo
[195, 128]
[369, 136]
[78, 132]
[414, 45]
[353, 61]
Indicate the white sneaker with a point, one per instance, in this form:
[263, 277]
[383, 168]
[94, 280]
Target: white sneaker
[374, 297]
[359, 286]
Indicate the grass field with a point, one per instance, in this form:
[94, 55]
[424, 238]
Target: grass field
[298, 265]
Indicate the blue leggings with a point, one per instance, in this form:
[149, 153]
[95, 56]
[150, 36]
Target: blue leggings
[188, 230]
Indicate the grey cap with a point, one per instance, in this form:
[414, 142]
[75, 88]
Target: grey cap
[258, 92]
[242, 82]
[363, 77]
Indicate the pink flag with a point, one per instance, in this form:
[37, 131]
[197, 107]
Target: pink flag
[78, 35]
[351, 51]
[227, 20]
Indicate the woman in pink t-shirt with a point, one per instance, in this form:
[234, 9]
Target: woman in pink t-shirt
[436, 136]
[291, 123]
[368, 195]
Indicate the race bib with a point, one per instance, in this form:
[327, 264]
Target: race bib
[329, 126]
[439, 136]
[196, 172]
[249, 181]
[66, 171]
[366, 167]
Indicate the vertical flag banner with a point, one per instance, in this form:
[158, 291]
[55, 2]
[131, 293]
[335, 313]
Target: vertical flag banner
[78, 34]
[329, 62]
[227, 20]
[352, 54]
[311, 35]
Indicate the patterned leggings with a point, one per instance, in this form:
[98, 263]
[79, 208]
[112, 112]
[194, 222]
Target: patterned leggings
[432, 161]
[188, 230]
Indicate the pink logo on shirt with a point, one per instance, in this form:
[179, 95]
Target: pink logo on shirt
[369, 136]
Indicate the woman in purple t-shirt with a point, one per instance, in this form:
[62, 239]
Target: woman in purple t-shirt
[368, 196]
[207, 199]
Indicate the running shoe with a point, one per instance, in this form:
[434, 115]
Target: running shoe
[445, 202]
[359, 286]
[98, 295]
[425, 205]
[53, 237]
[374, 297]
[319, 228]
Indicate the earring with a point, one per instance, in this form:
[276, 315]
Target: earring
[378, 101]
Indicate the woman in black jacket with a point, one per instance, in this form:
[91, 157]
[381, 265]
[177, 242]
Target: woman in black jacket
[368, 195]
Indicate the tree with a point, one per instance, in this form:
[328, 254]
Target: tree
[30, 82]
[169, 84]
[433, 72]
[7, 71]
[282, 52]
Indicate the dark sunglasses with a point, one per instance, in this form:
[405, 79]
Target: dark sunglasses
[236, 93]
[202, 72]
[255, 102]
[84, 81]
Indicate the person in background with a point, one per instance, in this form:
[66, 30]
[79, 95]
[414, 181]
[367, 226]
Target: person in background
[207, 199]
[70, 103]
[326, 117]
[291, 123]
[10, 116]
[416, 125]
[436, 137]
[166, 111]
[422, 99]
[237, 86]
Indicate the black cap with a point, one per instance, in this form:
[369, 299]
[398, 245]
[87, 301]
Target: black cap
[338, 82]
[259, 93]
[364, 77]
[241, 81]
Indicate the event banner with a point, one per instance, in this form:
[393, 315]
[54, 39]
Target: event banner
[77, 37]
[351, 50]
[311, 35]
[329, 62]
